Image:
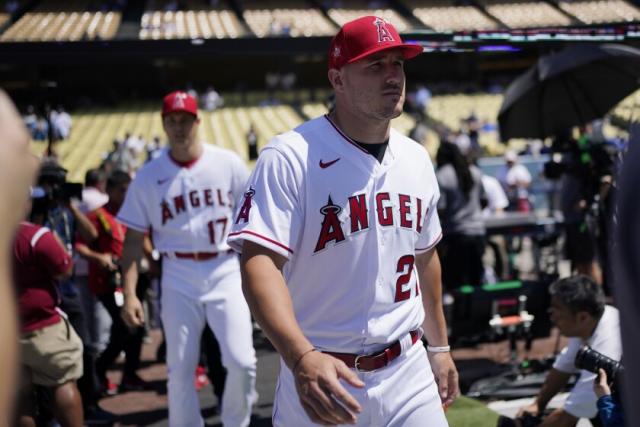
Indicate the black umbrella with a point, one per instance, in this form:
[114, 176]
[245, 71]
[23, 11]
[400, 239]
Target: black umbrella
[568, 88]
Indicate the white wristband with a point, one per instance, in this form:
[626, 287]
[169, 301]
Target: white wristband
[440, 349]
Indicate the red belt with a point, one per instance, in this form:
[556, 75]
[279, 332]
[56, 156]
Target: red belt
[375, 361]
[197, 256]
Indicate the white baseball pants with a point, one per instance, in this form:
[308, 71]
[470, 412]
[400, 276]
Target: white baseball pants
[224, 308]
[403, 394]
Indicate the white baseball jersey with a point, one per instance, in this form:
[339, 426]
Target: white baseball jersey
[187, 208]
[350, 228]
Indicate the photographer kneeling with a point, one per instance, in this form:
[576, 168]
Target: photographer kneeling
[579, 312]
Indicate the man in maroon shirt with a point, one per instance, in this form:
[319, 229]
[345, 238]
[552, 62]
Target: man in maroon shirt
[103, 254]
[50, 348]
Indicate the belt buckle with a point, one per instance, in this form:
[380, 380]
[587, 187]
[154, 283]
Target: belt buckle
[356, 364]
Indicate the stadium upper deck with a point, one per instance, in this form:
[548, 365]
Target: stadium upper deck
[50, 20]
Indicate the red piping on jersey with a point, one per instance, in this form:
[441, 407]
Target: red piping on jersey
[262, 237]
[431, 245]
[349, 140]
[187, 164]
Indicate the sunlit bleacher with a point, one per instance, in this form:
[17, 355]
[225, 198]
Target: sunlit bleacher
[286, 18]
[451, 110]
[63, 21]
[629, 108]
[445, 16]
[598, 11]
[94, 131]
[526, 13]
[196, 21]
[352, 9]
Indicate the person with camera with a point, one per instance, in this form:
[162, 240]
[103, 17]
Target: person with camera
[579, 311]
[57, 209]
[105, 281]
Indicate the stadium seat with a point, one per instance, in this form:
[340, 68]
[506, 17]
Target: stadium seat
[445, 16]
[286, 18]
[599, 11]
[526, 13]
[63, 21]
[352, 9]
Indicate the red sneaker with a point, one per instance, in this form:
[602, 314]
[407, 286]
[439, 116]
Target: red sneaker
[108, 388]
[201, 378]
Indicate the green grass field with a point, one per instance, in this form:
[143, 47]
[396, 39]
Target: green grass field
[466, 412]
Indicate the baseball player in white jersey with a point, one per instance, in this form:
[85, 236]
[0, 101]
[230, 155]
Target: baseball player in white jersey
[337, 230]
[186, 198]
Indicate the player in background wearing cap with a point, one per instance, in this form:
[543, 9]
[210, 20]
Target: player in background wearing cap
[338, 231]
[186, 198]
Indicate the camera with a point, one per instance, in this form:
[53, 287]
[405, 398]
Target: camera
[53, 179]
[53, 189]
[591, 360]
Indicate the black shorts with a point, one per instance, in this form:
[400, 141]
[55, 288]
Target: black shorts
[581, 243]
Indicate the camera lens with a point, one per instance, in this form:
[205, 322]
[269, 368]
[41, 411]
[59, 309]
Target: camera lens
[591, 360]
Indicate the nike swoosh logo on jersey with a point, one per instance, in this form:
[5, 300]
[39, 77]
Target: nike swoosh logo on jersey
[327, 164]
[162, 181]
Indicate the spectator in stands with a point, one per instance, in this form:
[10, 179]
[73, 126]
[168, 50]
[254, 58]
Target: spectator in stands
[192, 91]
[252, 142]
[515, 179]
[272, 81]
[42, 129]
[103, 254]
[61, 122]
[31, 120]
[154, 149]
[51, 351]
[579, 311]
[419, 132]
[18, 167]
[422, 98]
[121, 158]
[288, 81]
[131, 143]
[460, 211]
[212, 99]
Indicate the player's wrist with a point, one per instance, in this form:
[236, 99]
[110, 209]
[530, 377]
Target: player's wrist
[438, 348]
[296, 363]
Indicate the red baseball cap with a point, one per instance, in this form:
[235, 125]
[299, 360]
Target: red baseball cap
[179, 101]
[364, 36]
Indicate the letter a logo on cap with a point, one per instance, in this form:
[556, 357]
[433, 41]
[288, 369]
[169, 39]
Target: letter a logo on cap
[178, 100]
[383, 34]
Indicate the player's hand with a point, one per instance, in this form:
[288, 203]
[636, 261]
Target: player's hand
[446, 376]
[132, 312]
[323, 398]
[601, 385]
[105, 261]
[531, 409]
